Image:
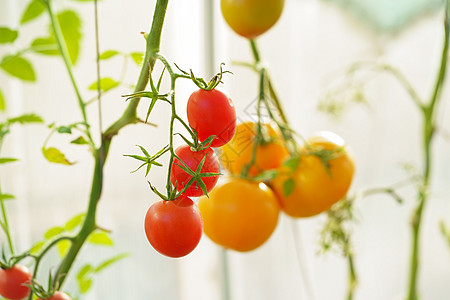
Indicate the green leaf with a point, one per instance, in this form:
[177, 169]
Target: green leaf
[38, 246]
[52, 232]
[5, 160]
[288, 187]
[34, 9]
[108, 54]
[7, 35]
[26, 118]
[70, 24]
[74, 222]
[63, 247]
[64, 129]
[79, 141]
[2, 102]
[292, 163]
[45, 45]
[84, 278]
[55, 156]
[137, 57]
[100, 238]
[18, 67]
[266, 175]
[106, 84]
[110, 261]
[6, 196]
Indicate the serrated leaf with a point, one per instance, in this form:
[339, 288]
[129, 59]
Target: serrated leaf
[45, 45]
[70, 24]
[5, 160]
[6, 197]
[106, 84]
[34, 9]
[2, 102]
[288, 187]
[8, 35]
[52, 232]
[38, 246]
[64, 129]
[79, 141]
[55, 156]
[137, 57]
[18, 67]
[74, 222]
[63, 247]
[26, 118]
[108, 54]
[100, 238]
[110, 261]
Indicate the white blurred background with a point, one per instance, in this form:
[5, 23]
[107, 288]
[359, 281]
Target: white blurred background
[308, 52]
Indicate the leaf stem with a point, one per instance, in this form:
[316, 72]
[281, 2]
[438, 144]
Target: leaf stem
[66, 58]
[5, 225]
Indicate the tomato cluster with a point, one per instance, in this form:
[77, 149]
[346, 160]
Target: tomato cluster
[174, 228]
[243, 213]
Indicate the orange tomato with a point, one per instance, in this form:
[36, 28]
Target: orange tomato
[314, 184]
[237, 154]
[240, 214]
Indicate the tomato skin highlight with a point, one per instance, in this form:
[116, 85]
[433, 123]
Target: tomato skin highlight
[251, 18]
[12, 282]
[240, 215]
[180, 178]
[212, 113]
[315, 189]
[174, 228]
[238, 152]
[58, 296]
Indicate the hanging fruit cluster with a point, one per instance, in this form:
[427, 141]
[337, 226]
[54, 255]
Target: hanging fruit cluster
[268, 170]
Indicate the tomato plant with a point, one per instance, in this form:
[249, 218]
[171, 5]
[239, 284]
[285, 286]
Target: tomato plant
[240, 215]
[251, 18]
[173, 228]
[58, 296]
[212, 112]
[192, 159]
[13, 282]
[316, 180]
[237, 154]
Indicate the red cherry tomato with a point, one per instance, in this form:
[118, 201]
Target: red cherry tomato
[180, 178]
[58, 296]
[174, 228]
[13, 282]
[212, 113]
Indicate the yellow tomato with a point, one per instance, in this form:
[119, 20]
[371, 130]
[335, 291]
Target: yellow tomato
[239, 215]
[251, 18]
[321, 177]
[237, 154]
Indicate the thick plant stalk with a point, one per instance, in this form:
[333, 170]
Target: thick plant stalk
[128, 117]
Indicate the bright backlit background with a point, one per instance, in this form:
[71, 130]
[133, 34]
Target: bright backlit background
[308, 53]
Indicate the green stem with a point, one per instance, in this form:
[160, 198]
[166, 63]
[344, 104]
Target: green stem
[6, 225]
[272, 92]
[128, 117]
[428, 133]
[66, 58]
[352, 281]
